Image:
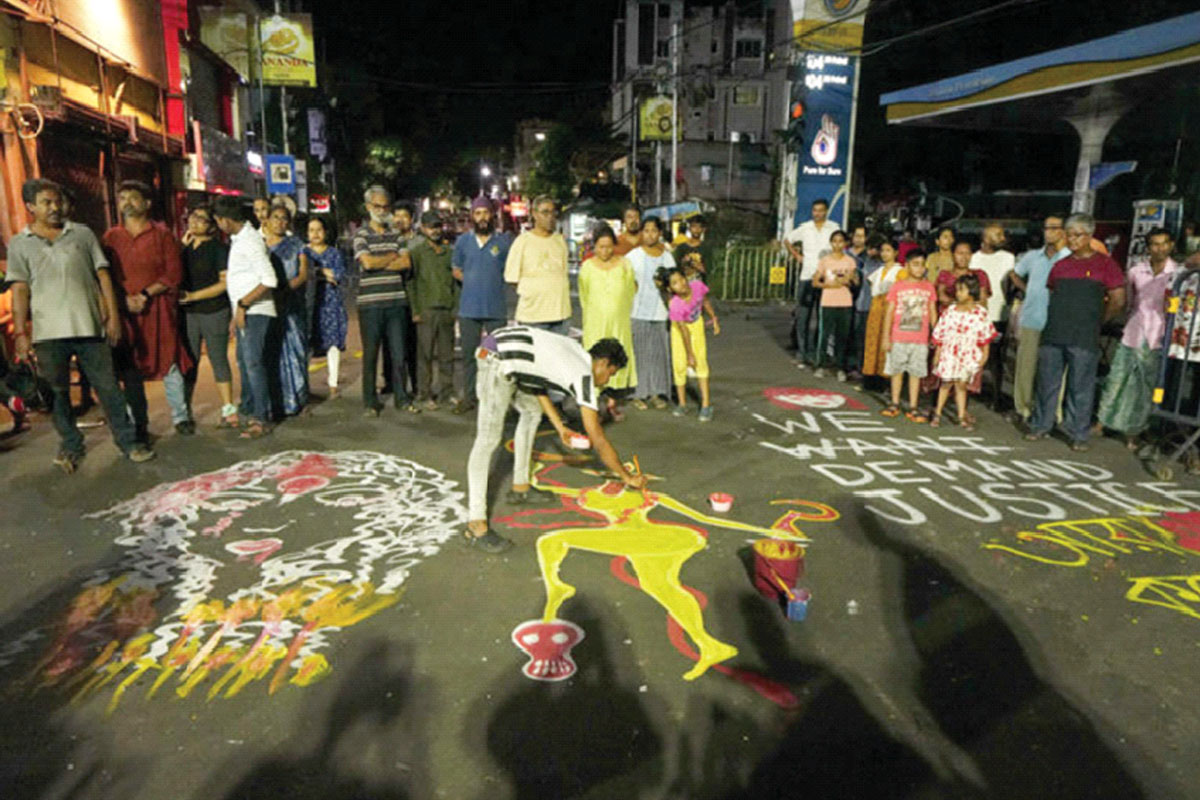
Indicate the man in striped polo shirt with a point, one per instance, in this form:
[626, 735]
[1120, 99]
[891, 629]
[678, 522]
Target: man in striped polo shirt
[518, 366]
[384, 316]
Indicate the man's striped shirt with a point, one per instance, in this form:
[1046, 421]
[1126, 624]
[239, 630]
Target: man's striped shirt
[380, 286]
[542, 362]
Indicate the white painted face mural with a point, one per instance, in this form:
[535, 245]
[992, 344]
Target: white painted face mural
[247, 573]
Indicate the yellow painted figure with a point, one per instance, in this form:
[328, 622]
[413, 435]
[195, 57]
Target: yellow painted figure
[657, 551]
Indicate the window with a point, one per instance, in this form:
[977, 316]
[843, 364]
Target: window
[745, 95]
[664, 49]
[645, 34]
[748, 48]
[664, 10]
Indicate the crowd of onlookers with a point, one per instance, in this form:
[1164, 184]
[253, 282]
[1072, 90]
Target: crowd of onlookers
[872, 309]
[137, 305]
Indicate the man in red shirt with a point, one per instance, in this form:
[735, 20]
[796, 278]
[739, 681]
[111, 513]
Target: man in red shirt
[147, 270]
[1086, 288]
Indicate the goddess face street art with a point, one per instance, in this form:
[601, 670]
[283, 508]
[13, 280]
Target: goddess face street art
[246, 574]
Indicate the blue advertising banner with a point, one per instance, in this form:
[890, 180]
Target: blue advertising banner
[824, 154]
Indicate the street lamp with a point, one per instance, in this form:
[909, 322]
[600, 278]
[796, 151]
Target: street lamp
[540, 136]
[485, 172]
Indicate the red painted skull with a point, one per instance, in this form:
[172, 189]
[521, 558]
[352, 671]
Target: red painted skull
[549, 647]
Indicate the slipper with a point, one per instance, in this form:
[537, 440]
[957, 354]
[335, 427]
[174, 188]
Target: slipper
[967, 425]
[917, 417]
[490, 542]
[639, 404]
[658, 403]
[935, 421]
[891, 411]
[255, 430]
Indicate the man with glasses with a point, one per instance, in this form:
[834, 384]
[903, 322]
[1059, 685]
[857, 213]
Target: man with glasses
[1086, 288]
[1030, 276]
[537, 264]
[383, 311]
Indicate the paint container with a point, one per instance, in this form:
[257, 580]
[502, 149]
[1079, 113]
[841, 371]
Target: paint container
[580, 442]
[776, 558]
[797, 606]
[720, 502]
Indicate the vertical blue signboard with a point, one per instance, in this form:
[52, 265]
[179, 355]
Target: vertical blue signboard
[824, 156]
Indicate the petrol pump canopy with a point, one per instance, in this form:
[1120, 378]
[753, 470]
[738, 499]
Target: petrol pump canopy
[992, 97]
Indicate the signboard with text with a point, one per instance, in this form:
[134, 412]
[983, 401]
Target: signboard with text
[824, 151]
[288, 55]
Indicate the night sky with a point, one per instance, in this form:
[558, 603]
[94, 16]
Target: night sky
[378, 53]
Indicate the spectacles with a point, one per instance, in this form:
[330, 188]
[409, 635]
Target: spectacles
[1052, 228]
[382, 206]
[1078, 234]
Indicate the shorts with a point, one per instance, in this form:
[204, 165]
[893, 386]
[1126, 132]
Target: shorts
[908, 357]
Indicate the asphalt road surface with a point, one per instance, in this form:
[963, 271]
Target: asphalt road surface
[297, 617]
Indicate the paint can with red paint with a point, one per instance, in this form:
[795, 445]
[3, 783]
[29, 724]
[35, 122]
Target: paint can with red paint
[778, 564]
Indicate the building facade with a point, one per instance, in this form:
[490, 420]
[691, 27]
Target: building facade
[729, 71]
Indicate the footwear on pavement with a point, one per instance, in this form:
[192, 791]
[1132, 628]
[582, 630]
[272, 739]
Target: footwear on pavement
[140, 454]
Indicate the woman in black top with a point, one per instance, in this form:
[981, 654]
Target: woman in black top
[207, 309]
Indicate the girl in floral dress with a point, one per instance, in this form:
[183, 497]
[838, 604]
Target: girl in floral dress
[963, 337]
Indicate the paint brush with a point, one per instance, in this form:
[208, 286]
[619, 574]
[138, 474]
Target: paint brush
[637, 470]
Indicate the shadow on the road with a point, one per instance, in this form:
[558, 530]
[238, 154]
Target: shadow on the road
[368, 733]
[986, 725]
[44, 752]
[564, 740]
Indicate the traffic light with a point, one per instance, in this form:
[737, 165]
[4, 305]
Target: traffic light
[797, 107]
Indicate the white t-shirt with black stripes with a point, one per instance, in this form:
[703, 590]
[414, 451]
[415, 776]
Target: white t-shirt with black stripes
[542, 362]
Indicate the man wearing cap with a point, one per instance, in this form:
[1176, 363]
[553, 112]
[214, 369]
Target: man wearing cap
[478, 264]
[433, 294]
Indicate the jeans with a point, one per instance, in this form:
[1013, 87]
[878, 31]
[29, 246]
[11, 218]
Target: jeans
[806, 298]
[1080, 364]
[835, 325]
[212, 330]
[496, 394]
[134, 385]
[562, 327]
[858, 344]
[95, 361]
[471, 332]
[384, 324]
[435, 346]
[254, 368]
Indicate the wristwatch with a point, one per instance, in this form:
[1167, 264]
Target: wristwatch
[145, 295]
[242, 305]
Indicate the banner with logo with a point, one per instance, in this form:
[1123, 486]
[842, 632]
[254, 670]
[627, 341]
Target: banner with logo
[656, 119]
[228, 35]
[288, 56]
[829, 34]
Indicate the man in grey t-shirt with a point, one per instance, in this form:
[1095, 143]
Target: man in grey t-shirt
[59, 273]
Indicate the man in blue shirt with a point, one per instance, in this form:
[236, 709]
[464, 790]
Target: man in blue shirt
[478, 262]
[1030, 277]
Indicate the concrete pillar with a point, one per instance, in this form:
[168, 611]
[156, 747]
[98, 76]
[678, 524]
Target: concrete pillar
[1092, 116]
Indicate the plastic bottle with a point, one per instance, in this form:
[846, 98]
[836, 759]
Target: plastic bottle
[852, 608]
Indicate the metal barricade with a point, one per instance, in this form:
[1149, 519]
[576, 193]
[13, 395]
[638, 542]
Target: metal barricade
[757, 273]
[1177, 391]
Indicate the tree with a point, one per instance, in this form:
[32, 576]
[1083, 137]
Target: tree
[551, 173]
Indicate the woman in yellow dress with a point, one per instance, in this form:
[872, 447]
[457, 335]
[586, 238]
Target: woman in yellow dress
[606, 289]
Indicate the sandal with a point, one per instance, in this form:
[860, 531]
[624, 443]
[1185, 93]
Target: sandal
[639, 404]
[891, 411]
[967, 424]
[230, 422]
[935, 421]
[490, 542]
[917, 417]
[254, 430]
[658, 403]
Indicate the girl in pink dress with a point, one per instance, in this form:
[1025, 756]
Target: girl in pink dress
[963, 337]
